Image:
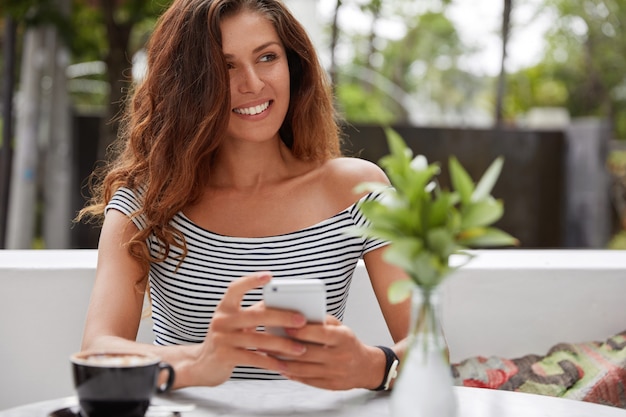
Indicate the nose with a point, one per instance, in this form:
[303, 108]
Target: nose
[250, 81]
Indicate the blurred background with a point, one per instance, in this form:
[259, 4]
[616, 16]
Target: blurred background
[542, 82]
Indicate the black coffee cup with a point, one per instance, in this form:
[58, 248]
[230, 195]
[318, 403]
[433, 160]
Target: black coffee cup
[118, 384]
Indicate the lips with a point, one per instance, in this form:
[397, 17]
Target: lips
[254, 110]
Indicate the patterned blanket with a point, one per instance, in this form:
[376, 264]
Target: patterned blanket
[592, 371]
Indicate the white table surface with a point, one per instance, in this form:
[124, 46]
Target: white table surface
[287, 398]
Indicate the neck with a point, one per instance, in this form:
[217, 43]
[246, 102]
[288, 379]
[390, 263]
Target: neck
[251, 166]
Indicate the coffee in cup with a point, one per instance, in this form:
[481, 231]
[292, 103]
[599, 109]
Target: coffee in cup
[118, 384]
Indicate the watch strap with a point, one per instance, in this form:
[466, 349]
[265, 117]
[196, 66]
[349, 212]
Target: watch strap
[391, 368]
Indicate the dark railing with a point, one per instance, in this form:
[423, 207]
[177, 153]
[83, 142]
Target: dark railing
[554, 183]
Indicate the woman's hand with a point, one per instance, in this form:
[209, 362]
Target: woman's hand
[233, 338]
[335, 358]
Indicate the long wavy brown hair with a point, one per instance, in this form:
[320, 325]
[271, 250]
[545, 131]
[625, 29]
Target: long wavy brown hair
[177, 116]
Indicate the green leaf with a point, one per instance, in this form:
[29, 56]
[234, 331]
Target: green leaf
[481, 213]
[403, 252]
[397, 146]
[428, 270]
[441, 242]
[440, 210]
[390, 214]
[368, 187]
[461, 181]
[400, 290]
[486, 237]
[488, 180]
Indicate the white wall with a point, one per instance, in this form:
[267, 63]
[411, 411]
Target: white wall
[43, 303]
[306, 11]
[515, 302]
[505, 302]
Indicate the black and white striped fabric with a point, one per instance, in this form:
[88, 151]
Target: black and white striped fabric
[185, 294]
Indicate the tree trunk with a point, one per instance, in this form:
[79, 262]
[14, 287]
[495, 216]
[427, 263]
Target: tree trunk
[506, 26]
[334, 38]
[58, 179]
[10, 31]
[23, 192]
[376, 7]
[119, 78]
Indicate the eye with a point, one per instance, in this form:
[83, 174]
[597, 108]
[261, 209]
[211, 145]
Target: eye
[268, 57]
[230, 65]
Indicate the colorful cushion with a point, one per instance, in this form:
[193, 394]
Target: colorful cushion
[592, 371]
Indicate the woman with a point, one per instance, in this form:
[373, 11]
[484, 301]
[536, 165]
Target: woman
[229, 168]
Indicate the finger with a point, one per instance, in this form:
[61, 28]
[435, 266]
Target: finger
[332, 320]
[297, 368]
[249, 319]
[265, 342]
[269, 317]
[320, 374]
[239, 287]
[321, 334]
[324, 383]
[258, 359]
[276, 317]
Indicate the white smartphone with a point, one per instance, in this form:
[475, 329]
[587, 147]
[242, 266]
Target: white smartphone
[306, 296]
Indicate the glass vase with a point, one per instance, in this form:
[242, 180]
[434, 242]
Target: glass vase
[424, 387]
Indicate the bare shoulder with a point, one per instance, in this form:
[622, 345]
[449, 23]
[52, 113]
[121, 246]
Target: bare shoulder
[342, 175]
[354, 170]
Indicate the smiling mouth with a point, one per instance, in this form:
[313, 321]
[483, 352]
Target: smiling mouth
[252, 111]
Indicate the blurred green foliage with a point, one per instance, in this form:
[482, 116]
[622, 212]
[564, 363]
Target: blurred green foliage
[583, 68]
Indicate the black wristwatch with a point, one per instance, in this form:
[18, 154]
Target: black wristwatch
[391, 368]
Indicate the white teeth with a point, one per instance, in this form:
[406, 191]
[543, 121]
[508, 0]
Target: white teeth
[251, 111]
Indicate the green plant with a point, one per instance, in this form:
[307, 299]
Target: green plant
[426, 224]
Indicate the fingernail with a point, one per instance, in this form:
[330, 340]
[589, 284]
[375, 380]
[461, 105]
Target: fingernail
[298, 320]
[265, 276]
[298, 348]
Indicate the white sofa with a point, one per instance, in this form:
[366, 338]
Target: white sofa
[505, 302]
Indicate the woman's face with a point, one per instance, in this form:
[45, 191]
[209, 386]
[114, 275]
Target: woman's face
[259, 77]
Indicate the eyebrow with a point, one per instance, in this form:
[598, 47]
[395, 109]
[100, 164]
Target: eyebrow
[258, 48]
